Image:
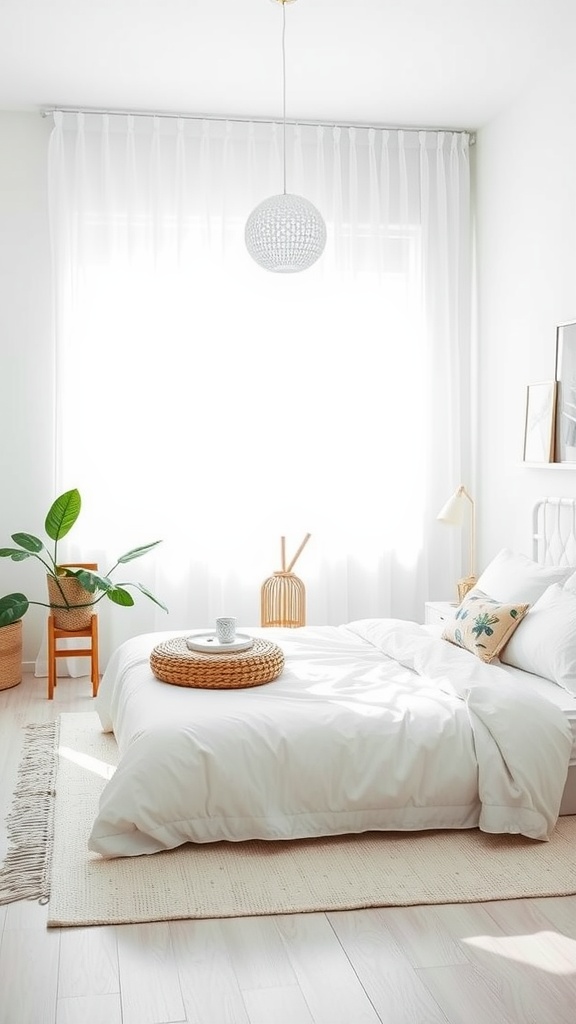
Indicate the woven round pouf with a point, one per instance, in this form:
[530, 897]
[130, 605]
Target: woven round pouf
[173, 662]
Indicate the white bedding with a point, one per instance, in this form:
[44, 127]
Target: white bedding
[537, 685]
[375, 725]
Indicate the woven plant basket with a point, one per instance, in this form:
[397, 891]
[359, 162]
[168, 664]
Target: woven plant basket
[10, 655]
[73, 618]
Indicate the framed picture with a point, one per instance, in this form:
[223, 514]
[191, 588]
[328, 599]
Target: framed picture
[566, 392]
[540, 422]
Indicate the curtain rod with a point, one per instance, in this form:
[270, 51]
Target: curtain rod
[46, 111]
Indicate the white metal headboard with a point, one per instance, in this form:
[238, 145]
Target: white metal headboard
[554, 531]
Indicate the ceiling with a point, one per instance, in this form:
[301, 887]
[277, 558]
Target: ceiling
[429, 63]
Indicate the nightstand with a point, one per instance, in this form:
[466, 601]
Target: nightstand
[436, 612]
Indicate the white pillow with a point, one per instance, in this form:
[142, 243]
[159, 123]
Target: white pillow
[545, 641]
[571, 582]
[513, 577]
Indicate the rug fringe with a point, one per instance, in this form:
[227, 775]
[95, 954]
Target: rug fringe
[25, 873]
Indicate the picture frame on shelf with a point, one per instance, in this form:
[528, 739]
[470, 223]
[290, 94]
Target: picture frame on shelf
[540, 423]
[565, 443]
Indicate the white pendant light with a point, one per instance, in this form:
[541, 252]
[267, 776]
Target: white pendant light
[285, 233]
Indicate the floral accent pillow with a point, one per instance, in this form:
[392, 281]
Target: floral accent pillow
[482, 625]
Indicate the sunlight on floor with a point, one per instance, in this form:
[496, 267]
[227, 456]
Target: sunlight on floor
[92, 764]
[547, 951]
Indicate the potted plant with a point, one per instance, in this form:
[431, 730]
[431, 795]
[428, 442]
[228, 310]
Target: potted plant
[72, 592]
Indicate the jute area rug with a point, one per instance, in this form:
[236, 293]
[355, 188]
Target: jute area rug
[253, 878]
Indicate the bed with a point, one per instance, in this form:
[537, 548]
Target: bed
[377, 724]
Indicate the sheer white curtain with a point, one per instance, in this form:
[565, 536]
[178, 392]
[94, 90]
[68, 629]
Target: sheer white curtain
[212, 404]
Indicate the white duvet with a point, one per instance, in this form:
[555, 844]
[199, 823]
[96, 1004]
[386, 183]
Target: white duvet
[373, 725]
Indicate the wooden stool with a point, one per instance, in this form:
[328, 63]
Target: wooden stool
[55, 634]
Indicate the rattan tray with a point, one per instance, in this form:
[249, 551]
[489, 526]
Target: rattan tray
[173, 662]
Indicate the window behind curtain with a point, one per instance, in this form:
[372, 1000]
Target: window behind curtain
[222, 406]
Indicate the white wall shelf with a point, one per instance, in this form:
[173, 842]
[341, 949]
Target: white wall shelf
[549, 465]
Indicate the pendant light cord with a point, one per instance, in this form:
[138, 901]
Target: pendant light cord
[284, 93]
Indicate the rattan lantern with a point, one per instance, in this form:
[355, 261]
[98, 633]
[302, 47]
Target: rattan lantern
[283, 595]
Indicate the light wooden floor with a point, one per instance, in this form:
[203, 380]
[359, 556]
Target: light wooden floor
[511, 962]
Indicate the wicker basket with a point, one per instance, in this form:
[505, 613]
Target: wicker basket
[75, 617]
[10, 655]
[464, 586]
[173, 662]
[283, 601]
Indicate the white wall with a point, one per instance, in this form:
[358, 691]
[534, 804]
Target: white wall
[26, 353]
[526, 213]
[526, 198]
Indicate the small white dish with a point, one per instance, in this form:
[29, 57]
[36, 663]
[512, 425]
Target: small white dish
[209, 643]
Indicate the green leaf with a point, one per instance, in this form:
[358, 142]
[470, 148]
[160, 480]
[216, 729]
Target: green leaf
[91, 581]
[63, 514]
[137, 552]
[143, 590]
[28, 541]
[120, 596]
[12, 608]
[15, 554]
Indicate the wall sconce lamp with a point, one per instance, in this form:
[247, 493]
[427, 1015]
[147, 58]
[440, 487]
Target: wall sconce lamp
[453, 515]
